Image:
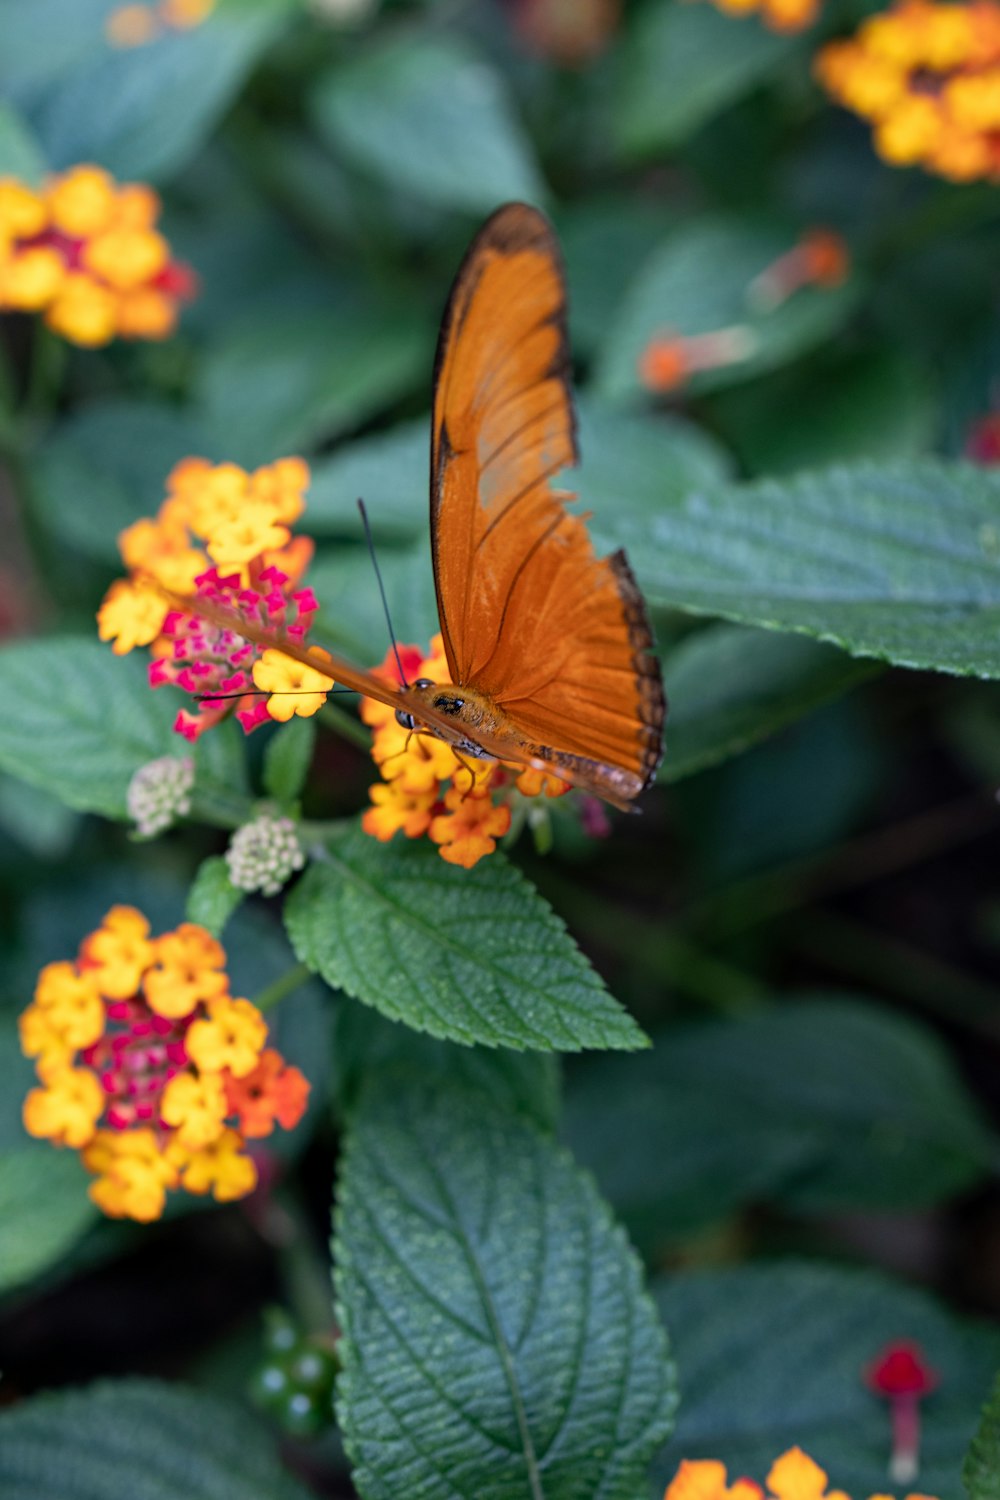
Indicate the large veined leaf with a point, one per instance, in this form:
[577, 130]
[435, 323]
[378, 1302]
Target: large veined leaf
[900, 561]
[469, 955]
[141, 1438]
[85, 721]
[769, 1356]
[141, 112]
[876, 404]
[667, 87]
[698, 281]
[824, 1106]
[498, 1344]
[430, 117]
[729, 688]
[981, 1470]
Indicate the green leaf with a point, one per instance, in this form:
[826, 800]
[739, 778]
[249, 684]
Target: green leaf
[142, 112]
[683, 63]
[141, 1438]
[878, 405]
[631, 461]
[351, 609]
[220, 760]
[274, 388]
[729, 688]
[388, 471]
[900, 562]
[37, 820]
[85, 721]
[824, 1105]
[981, 1470]
[287, 758]
[697, 282]
[429, 116]
[20, 153]
[468, 955]
[772, 1355]
[497, 1340]
[213, 898]
[106, 465]
[44, 1209]
[365, 1043]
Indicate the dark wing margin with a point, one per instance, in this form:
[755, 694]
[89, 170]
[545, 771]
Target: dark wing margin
[649, 679]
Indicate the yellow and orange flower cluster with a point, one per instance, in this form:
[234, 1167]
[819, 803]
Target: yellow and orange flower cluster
[223, 535]
[777, 15]
[150, 1068]
[927, 76]
[85, 252]
[463, 805]
[793, 1476]
[136, 24]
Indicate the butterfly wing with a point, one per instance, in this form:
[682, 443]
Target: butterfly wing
[557, 637]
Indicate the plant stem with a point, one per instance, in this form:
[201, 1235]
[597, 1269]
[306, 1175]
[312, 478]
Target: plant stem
[346, 725]
[276, 992]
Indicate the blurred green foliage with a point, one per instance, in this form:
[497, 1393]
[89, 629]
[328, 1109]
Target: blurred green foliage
[803, 921]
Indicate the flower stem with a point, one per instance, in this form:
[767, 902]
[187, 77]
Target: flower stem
[346, 725]
[276, 992]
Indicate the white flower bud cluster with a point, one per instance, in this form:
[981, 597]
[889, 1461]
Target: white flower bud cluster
[263, 854]
[160, 793]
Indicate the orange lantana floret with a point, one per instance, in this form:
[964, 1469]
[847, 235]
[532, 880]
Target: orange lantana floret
[150, 1096]
[470, 827]
[273, 1091]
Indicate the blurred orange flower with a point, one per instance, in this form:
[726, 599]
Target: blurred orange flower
[84, 252]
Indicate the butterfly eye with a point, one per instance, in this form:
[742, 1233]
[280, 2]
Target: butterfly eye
[423, 682]
[405, 720]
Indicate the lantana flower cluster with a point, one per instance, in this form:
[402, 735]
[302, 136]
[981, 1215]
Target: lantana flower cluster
[151, 1069]
[463, 805]
[793, 1476]
[222, 535]
[777, 15]
[84, 251]
[927, 76]
[135, 24]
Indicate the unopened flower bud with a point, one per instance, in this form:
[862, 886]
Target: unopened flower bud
[159, 793]
[263, 854]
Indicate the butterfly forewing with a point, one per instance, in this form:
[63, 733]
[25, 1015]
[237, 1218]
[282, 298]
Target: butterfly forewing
[555, 636]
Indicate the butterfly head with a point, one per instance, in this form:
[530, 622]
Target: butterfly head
[444, 701]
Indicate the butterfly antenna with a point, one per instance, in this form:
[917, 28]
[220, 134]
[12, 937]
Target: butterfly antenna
[381, 589]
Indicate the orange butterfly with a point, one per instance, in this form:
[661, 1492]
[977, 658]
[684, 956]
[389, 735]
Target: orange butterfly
[548, 646]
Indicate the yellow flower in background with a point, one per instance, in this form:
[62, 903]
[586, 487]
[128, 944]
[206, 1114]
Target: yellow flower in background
[149, 1068]
[83, 251]
[135, 24]
[221, 533]
[777, 15]
[927, 77]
